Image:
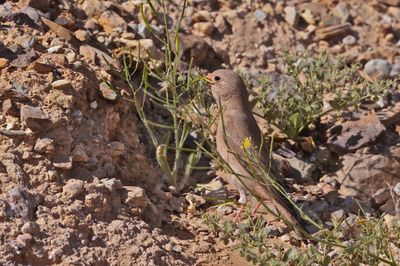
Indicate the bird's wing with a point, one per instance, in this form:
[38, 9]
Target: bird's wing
[237, 127]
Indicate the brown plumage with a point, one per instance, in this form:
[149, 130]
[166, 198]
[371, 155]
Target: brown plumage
[229, 90]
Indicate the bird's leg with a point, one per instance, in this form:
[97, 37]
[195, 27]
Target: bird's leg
[242, 200]
[254, 211]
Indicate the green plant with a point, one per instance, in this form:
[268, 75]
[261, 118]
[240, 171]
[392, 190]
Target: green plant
[356, 241]
[301, 99]
[174, 93]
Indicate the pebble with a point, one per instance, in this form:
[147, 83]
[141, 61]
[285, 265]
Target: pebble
[93, 105]
[349, 40]
[107, 92]
[378, 68]
[396, 189]
[260, 15]
[61, 84]
[82, 35]
[291, 15]
[3, 63]
[45, 145]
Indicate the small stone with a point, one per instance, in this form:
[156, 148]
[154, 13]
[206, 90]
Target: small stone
[378, 69]
[93, 7]
[308, 16]
[349, 40]
[107, 92]
[93, 105]
[45, 145]
[63, 162]
[116, 148]
[79, 154]
[111, 21]
[381, 196]
[222, 25]
[390, 2]
[40, 68]
[338, 215]
[135, 197]
[177, 204]
[260, 15]
[341, 11]
[60, 31]
[72, 189]
[206, 28]
[143, 30]
[55, 49]
[3, 63]
[112, 184]
[21, 202]
[30, 228]
[82, 35]
[396, 189]
[306, 169]
[291, 15]
[61, 84]
[34, 118]
[333, 31]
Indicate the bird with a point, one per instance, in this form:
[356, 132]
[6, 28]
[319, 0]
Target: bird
[236, 126]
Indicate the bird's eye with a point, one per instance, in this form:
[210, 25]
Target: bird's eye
[216, 78]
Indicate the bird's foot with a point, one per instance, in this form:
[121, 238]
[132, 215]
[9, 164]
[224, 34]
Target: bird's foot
[254, 211]
[237, 216]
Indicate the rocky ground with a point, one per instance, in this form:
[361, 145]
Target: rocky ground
[79, 184]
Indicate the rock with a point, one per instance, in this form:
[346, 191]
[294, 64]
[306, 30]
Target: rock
[363, 175]
[349, 40]
[21, 202]
[308, 16]
[341, 11]
[111, 21]
[40, 68]
[145, 47]
[63, 162]
[260, 15]
[42, 5]
[112, 184]
[205, 28]
[378, 69]
[72, 189]
[116, 148]
[330, 194]
[30, 228]
[381, 196]
[396, 189]
[34, 118]
[45, 145]
[291, 15]
[60, 99]
[338, 215]
[3, 63]
[61, 84]
[222, 25]
[214, 190]
[92, 54]
[23, 60]
[134, 197]
[306, 169]
[60, 31]
[93, 7]
[107, 92]
[93, 105]
[390, 2]
[177, 204]
[354, 134]
[79, 154]
[334, 31]
[82, 35]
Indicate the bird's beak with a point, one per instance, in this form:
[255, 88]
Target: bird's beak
[209, 79]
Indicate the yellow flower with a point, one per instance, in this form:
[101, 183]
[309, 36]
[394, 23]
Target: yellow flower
[246, 143]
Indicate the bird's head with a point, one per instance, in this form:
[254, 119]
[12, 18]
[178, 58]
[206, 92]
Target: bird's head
[227, 86]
